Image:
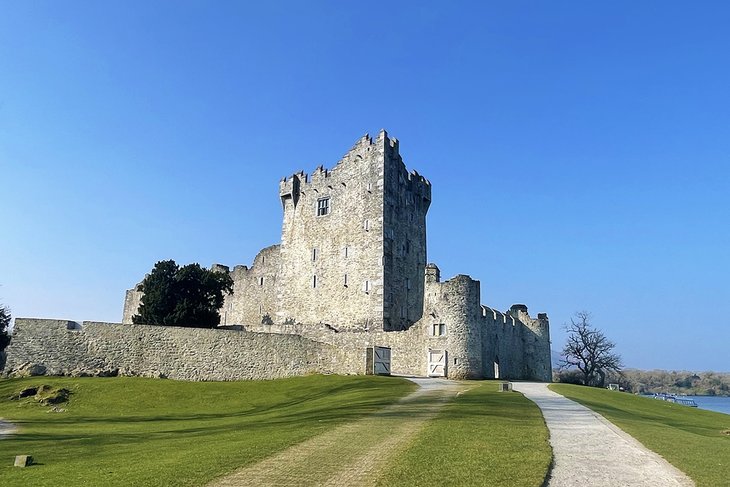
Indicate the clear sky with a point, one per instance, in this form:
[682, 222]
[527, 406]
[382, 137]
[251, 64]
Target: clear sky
[578, 151]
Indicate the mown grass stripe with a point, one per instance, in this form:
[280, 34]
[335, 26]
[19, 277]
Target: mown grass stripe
[150, 432]
[482, 437]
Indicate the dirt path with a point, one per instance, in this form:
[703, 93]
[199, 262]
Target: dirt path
[6, 429]
[590, 450]
[353, 453]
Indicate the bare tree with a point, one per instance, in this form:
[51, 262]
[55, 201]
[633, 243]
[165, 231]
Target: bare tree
[589, 350]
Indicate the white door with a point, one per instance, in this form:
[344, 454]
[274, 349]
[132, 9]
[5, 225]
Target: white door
[381, 363]
[437, 363]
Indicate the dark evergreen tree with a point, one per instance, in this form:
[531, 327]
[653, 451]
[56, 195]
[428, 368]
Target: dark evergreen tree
[182, 296]
[4, 323]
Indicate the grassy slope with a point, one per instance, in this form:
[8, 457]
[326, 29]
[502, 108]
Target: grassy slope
[483, 437]
[149, 432]
[690, 439]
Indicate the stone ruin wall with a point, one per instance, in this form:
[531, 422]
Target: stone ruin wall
[132, 300]
[91, 348]
[476, 336]
[254, 298]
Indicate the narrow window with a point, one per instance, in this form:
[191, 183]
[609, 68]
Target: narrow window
[408, 246]
[408, 284]
[314, 255]
[314, 281]
[366, 225]
[345, 280]
[438, 330]
[370, 187]
[366, 286]
[261, 281]
[346, 252]
[323, 206]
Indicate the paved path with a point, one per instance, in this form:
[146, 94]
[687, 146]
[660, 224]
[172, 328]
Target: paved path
[352, 454]
[588, 450]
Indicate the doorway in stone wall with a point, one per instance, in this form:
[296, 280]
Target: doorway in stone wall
[436, 363]
[496, 367]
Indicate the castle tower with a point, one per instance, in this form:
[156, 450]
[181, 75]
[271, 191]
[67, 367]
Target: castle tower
[536, 343]
[353, 245]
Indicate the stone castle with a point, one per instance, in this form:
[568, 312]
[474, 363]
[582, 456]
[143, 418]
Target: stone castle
[348, 285]
[352, 261]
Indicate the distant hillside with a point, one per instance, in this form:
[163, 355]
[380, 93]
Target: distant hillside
[677, 382]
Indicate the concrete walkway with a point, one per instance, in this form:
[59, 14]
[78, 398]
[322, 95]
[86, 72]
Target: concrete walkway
[588, 450]
[353, 454]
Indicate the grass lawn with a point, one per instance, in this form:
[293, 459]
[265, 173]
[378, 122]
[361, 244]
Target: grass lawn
[151, 432]
[483, 437]
[693, 440]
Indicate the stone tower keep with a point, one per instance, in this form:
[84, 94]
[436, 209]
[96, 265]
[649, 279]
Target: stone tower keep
[353, 243]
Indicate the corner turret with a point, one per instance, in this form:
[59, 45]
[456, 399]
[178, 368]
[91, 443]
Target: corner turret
[433, 274]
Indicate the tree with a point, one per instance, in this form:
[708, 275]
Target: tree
[4, 323]
[590, 351]
[182, 296]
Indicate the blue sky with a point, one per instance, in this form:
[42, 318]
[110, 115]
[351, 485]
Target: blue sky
[578, 151]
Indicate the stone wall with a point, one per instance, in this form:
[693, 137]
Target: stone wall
[68, 348]
[407, 198]
[132, 300]
[254, 290]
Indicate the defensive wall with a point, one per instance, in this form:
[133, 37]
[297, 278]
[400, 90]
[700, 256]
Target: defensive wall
[90, 348]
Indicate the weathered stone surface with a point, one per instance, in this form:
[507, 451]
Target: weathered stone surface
[23, 460]
[161, 351]
[28, 369]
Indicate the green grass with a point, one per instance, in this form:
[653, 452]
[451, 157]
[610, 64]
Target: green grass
[691, 439]
[151, 432]
[483, 437]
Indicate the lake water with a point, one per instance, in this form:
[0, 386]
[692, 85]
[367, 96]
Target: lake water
[713, 403]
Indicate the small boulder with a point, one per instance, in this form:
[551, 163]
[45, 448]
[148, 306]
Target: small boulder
[23, 460]
[29, 369]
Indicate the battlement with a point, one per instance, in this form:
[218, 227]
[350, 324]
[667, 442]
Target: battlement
[366, 150]
[497, 316]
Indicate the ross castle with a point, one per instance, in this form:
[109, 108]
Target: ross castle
[352, 261]
[347, 290]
